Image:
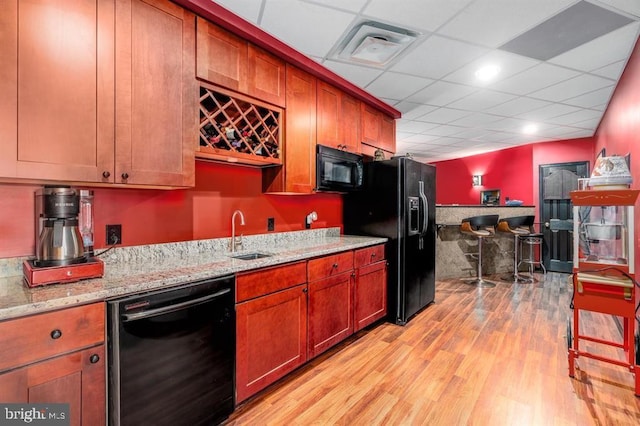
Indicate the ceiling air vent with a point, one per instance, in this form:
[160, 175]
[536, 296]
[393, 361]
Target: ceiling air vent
[373, 43]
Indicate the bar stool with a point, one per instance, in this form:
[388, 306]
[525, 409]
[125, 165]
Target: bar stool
[480, 227]
[519, 227]
[534, 242]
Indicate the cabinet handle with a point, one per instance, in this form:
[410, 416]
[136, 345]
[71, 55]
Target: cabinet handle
[335, 266]
[373, 255]
[305, 290]
[94, 358]
[106, 174]
[125, 176]
[56, 334]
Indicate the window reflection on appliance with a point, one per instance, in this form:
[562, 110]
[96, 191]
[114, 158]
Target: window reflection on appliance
[337, 172]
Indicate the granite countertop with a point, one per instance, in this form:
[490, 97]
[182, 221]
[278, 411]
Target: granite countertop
[137, 269]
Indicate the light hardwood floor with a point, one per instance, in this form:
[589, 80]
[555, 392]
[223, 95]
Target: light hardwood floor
[491, 356]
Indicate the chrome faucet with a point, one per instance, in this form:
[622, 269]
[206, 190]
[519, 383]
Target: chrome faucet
[236, 243]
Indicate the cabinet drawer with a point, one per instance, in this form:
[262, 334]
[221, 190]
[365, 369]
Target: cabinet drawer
[30, 339]
[330, 265]
[368, 255]
[264, 281]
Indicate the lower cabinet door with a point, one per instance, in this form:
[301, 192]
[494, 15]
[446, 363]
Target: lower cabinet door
[370, 294]
[77, 379]
[330, 312]
[271, 336]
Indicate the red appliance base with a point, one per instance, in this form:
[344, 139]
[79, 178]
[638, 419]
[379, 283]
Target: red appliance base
[36, 276]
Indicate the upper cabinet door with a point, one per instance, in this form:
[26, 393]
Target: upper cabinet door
[56, 102]
[387, 133]
[378, 130]
[338, 123]
[298, 173]
[329, 128]
[221, 57]
[156, 94]
[266, 76]
[351, 123]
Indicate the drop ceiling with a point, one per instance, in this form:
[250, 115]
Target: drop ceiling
[559, 62]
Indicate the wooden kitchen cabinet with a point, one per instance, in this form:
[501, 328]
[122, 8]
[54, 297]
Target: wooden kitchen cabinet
[56, 102]
[330, 301]
[338, 119]
[233, 63]
[271, 326]
[298, 173]
[103, 92]
[156, 108]
[56, 357]
[378, 129]
[370, 293]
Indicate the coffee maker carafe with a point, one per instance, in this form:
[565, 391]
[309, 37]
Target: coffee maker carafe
[59, 240]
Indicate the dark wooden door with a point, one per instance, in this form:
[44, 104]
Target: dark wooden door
[556, 213]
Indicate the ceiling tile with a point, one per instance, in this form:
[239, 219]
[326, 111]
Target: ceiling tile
[613, 71]
[425, 14]
[547, 112]
[494, 22]
[573, 27]
[396, 86]
[476, 119]
[575, 117]
[322, 27]
[247, 9]
[443, 115]
[481, 100]
[360, 76]
[411, 126]
[603, 51]
[628, 6]
[441, 93]
[571, 88]
[437, 56]
[509, 64]
[592, 99]
[517, 106]
[444, 130]
[351, 5]
[412, 110]
[536, 78]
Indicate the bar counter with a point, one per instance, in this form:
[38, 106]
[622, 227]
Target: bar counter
[454, 249]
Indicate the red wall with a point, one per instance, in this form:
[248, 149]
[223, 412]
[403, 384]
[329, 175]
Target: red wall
[619, 130]
[513, 171]
[158, 216]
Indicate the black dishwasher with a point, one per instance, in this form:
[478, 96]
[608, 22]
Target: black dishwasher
[172, 354]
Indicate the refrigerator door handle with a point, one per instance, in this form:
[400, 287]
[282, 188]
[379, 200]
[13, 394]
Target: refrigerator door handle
[423, 196]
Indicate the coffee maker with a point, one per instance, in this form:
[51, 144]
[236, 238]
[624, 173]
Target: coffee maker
[59, 241]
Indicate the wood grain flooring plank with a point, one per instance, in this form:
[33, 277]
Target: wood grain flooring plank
[491, 356]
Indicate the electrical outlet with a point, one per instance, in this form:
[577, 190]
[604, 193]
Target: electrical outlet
[114, 234]
[271, 224]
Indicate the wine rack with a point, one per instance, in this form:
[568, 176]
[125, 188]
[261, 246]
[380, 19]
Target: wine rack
[235, 128]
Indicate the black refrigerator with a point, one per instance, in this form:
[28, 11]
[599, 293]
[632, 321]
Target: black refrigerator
[398, 202]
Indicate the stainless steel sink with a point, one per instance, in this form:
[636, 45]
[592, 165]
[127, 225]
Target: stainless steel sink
[250, 256]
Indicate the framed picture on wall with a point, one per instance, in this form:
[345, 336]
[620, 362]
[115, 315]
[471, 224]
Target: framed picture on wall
[490, 197]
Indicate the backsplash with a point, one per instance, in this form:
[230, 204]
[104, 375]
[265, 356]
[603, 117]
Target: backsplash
[181, 252]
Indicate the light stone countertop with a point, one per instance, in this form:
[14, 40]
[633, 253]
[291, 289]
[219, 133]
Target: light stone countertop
[130, 270]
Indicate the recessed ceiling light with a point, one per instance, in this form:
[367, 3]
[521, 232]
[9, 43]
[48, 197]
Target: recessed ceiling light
[487, 72]
[529, 129]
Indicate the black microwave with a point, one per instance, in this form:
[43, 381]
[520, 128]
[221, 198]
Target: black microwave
[337, 170]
